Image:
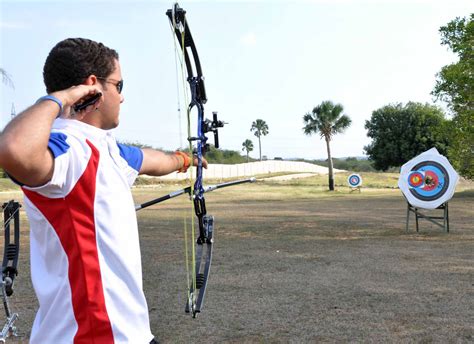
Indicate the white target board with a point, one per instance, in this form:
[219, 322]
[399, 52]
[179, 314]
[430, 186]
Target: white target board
[354, 180]
[428, 180]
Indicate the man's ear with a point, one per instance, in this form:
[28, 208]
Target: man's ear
[91, 80]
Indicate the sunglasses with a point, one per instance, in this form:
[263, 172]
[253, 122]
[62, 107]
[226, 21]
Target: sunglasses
[118, 84]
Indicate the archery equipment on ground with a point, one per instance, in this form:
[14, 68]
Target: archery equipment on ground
[10, 263]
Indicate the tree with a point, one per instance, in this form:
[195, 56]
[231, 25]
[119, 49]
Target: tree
[247, 146]
[6, 78]
[259, 128]
[223, 156]
[401, 132]
[327, 120]
[455, 85]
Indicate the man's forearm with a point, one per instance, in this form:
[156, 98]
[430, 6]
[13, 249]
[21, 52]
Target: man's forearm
[157, 163]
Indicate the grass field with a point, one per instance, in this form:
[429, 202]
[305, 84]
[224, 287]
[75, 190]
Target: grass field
[294, 263]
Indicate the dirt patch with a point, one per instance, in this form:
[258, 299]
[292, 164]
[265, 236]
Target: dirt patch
[304, 269]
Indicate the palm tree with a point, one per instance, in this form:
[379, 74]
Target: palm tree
[6, 78]
[247, 146]
[327, 120]
[259, 128]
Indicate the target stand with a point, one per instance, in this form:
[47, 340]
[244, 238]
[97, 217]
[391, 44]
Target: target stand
[433, 219]
[356, 189]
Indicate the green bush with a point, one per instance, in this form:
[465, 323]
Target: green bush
[348, 164]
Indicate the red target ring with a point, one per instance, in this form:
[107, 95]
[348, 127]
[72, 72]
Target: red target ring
[431, 181]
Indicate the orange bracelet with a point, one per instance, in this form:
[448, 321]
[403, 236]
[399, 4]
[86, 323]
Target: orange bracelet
[186, 161]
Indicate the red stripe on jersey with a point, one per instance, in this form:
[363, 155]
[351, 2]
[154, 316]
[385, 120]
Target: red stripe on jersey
[72, 218]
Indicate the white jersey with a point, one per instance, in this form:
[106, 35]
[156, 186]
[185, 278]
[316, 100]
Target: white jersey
[85, 254]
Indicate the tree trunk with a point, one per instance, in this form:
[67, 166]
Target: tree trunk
[260, 148]
[330, 167]
[247, 156]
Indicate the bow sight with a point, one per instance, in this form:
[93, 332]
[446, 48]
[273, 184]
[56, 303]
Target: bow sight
[213, 126]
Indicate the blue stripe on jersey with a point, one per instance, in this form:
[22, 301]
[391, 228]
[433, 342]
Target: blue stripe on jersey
[133, 156]
[57, 144]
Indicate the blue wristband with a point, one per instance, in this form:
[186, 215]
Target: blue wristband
[54, 99]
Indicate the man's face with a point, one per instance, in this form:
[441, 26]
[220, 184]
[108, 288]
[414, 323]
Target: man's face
[110, 109]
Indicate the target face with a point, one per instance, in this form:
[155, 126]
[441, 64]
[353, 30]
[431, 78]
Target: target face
[354, 180]
[428, 180]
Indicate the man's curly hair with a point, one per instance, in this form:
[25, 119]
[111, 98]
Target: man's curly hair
[72, 60]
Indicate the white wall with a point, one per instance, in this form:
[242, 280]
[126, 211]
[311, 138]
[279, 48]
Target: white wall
[221, 171]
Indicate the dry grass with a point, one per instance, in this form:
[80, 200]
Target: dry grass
[295, 263]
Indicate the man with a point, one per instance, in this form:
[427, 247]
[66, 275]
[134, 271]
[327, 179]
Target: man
[85, 254]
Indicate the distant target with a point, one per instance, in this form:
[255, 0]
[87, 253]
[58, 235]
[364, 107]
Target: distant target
[354, 180]
[428, 180]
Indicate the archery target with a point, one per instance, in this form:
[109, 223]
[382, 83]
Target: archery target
[354, 180]
[428, 180]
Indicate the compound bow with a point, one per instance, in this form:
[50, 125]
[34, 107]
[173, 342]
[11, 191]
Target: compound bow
[199, 147]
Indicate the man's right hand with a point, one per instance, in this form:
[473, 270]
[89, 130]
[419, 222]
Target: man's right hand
[75, 95]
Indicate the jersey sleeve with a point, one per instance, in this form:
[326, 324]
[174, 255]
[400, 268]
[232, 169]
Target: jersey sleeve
[67, 167]
[128, 158]
[132, 155]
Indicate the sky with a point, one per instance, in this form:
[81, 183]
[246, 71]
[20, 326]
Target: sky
[270, 60]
